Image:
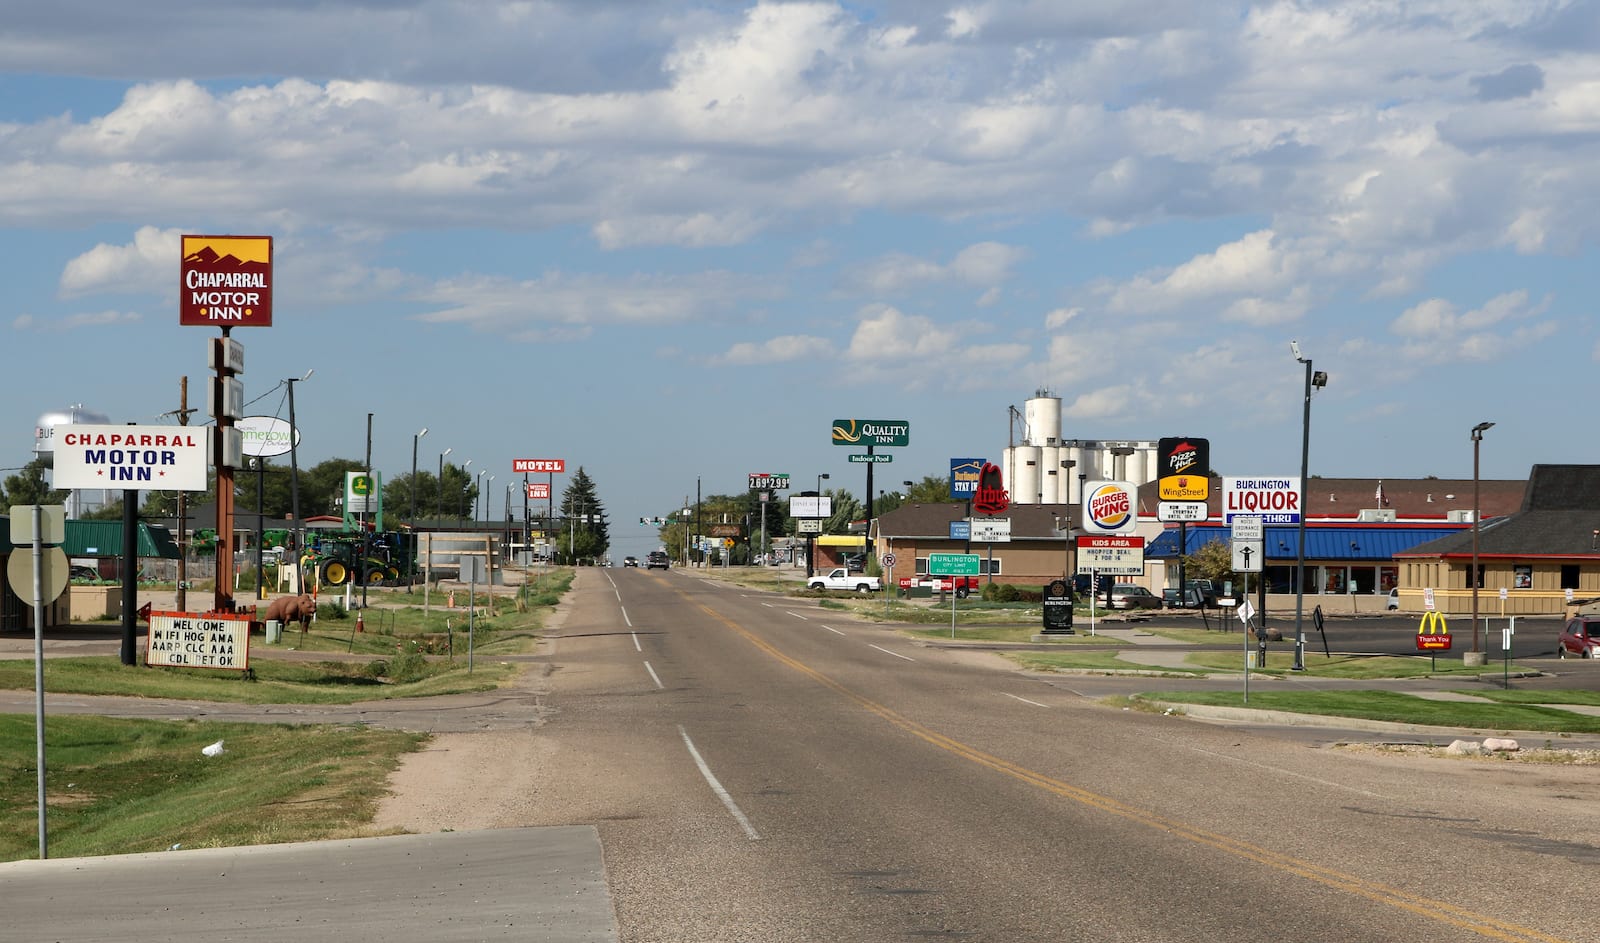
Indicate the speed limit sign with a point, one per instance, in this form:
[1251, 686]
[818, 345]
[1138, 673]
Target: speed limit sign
[888, 559]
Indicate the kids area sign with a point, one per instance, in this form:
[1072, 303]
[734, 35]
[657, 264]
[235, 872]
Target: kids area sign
[155, 458]
[225, 281]
[192, 640]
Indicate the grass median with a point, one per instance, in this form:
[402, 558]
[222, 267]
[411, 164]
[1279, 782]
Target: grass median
[1393, 707]
[117, 786]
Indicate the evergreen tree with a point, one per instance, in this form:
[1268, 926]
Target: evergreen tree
[587, 533]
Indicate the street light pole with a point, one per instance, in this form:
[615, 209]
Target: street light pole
[461, 499]
[414, 440]
[1477, 439]
[1318, 380]
[294, 475]
[438, 499]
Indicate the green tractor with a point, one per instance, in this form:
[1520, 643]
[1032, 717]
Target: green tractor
[332, 560]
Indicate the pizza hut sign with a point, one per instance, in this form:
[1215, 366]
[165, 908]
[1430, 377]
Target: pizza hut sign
[991, 496]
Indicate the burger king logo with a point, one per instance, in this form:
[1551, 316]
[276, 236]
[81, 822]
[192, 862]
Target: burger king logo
[1108, 508]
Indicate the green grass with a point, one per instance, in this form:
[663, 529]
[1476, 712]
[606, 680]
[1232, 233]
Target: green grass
[1091, 661]
[1009, 633]
[1280, 662]
[1395, 708]
[121, 786]
[1584, 698]
[275, 682]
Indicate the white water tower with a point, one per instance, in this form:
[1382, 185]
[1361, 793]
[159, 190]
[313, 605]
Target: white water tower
[44, 436]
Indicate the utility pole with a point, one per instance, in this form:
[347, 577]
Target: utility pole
[183, 412]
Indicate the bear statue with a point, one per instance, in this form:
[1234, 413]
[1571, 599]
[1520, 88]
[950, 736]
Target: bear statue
[286, 609]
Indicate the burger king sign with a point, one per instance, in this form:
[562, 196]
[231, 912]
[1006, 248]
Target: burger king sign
[1108, 507]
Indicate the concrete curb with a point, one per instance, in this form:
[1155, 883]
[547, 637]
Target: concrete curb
[1250, 715]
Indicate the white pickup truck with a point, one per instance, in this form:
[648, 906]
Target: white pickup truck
[840, 578]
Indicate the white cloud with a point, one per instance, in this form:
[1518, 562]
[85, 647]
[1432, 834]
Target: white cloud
[982, 265]
[74, 322]
[1060, 317]
[148, 263]
[531, 309]
[1435, 331]
[777, 350]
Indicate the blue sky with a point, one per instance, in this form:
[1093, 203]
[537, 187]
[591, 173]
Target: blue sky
[671, 241]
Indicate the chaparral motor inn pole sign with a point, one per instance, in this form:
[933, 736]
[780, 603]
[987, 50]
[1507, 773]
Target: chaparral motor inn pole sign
[226, 281]
[154, 458]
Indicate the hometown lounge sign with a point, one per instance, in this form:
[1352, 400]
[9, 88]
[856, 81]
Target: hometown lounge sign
[153, 458]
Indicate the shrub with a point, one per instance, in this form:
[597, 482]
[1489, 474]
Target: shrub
[332, 610]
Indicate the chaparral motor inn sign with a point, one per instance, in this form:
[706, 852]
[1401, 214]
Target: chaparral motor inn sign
[225, 281]
[142, 458]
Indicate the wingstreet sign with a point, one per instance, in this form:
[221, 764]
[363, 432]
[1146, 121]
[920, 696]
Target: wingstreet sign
[889, 432]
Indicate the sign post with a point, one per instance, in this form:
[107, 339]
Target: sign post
[953, 564]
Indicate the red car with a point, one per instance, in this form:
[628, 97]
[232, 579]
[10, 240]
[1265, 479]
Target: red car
[1580, 638]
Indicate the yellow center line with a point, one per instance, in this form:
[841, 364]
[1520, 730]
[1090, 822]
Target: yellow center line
[1424, 906]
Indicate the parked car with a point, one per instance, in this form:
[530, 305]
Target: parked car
[1129, 596]
[656, 560]
[630, 561]
[1394, 598]
[1580, 638]
[80, 572]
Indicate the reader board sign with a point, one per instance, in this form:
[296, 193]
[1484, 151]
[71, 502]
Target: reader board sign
[553, 465]
[1274, 500]
[199, 640]
[225, 281]
[154, 458]
[763, 481]
[991, 530]
[1113, 555]
[811, 505]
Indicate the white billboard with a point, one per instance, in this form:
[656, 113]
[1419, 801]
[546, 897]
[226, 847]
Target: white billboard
[1274, 500]
[133, 458]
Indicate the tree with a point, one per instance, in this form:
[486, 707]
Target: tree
[1213, 561]
[846, 508]
[932, 489]
[587, 533]
[28, 487]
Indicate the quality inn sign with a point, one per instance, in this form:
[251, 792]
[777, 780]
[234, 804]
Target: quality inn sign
[857, 432]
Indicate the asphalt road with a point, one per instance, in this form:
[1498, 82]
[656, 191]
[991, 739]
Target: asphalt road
[761, 768]
[775, 772]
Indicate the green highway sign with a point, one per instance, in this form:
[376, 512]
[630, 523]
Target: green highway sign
[891, 432]
[952, 564]
[859, 459]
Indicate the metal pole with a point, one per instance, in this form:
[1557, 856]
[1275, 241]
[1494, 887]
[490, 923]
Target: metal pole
[1477, 437]
[38, 667]
[438, 502]
[1300, 552]
[414, 440]
[294, 480]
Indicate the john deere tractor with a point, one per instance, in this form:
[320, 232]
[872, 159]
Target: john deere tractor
[332, 559]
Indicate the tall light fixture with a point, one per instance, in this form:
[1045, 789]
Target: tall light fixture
[414, 440]
[461, 499]
[1316, 379]
[438, 503]
[294, 473]
[1477, 439]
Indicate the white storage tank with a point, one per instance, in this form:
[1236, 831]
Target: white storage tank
[1042, 416]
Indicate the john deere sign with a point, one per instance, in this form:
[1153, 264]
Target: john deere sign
[858, 432]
